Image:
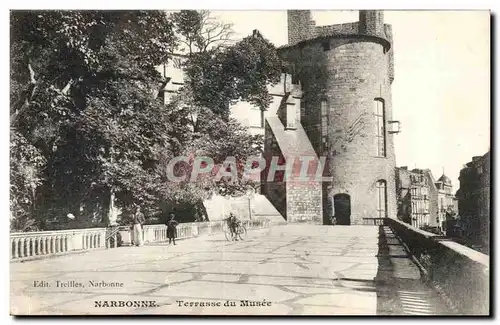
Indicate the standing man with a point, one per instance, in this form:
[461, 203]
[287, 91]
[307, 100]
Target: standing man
[137, 222]
[172, 228]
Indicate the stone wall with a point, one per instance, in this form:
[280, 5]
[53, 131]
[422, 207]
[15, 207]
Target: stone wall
[460, 274]
[304, 202]
[300, 25]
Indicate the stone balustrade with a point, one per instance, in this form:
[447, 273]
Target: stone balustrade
[29, 245]
[373, 221]
[158, 233]
[459, 273]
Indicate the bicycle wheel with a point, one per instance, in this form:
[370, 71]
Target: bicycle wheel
[242, 232]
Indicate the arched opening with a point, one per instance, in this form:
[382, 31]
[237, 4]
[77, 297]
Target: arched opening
[342, 208]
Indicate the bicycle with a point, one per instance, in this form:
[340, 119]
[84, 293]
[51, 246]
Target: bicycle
[240, 232]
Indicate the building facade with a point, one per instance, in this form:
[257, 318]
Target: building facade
[474, 201]
[415, 197]
[446, 201]
[424, 202]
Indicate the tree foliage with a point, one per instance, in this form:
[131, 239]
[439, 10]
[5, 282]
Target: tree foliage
[81, 94]
[86, 123]
[219, 72]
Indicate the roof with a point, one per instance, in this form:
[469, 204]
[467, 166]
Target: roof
[445, 179]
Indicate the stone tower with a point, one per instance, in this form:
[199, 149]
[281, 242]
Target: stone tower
[355, 125]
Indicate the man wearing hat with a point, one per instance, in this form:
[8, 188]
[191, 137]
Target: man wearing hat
[137, 222]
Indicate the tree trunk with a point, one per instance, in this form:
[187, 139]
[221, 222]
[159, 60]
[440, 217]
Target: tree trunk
[112, 211]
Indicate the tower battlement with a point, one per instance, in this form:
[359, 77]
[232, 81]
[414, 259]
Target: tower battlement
[302, 29]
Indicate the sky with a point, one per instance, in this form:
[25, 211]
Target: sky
[441, 91]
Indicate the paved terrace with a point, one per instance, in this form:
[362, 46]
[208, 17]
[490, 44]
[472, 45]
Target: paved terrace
[299, 269]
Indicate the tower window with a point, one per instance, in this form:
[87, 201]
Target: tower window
[324, 123]
[379, 113]
[381, 199]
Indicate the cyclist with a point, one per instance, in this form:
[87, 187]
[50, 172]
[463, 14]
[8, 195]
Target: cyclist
[233, 223]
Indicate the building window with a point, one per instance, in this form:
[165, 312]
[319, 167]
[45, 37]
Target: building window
[381, 199]
[379, 113]
[324, 122]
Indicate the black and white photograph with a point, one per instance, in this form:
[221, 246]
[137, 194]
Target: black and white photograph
[250, 162]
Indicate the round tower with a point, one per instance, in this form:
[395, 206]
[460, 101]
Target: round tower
[355, 118]
[359, 102]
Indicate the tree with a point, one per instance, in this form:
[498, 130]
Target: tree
[81, 94]
[25, 177]
[88, 129]
[219, 72]
[222, 139]
[199, 32]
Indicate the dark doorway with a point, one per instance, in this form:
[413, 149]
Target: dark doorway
[342, 206]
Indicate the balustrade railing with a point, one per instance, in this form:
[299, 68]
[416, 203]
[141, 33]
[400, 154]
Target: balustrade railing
[112, 237]
[158, 233]
[27, 245]
[373, 221]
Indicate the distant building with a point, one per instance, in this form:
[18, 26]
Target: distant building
[446, 201]
[422, 201]
[474, 200]
[415, 195]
